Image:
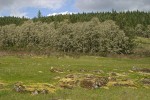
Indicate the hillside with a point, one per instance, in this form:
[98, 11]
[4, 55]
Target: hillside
[84, 56]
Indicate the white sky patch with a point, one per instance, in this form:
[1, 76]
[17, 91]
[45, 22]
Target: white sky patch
[18, 13]
[62, 13]
[15, 6]
[107, 5]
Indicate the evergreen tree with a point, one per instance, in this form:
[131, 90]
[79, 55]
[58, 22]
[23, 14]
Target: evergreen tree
[39, 15]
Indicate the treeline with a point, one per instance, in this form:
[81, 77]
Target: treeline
[123, 19]
[93, 37]
[12, 20]
[128, 21]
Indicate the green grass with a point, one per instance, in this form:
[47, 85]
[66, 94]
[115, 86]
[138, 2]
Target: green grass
[83, 94]
[26, 69]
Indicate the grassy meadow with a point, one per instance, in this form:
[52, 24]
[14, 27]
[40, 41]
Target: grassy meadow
[36, 69]
[33, 70]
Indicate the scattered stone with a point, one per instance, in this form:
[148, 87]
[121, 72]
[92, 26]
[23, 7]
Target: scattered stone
[69, 70]
[115, 69]
[74, 76]
[35, 92]
[88, 81]
[57, 78]
[34, 89]
[56, 70]
[143, 73]
[134, 68]
[1, 85]
[124, 79]
[105, 87]
[146, 81]
[44, 91]
[83, 70]
[112, 78]
[43, 88]
[93, 82]
[68, 83]
[87, 84]
[127, 83]
[19, 87]
[144, 70]
[146, 86]
[40, 71]
[120, 79]
[89, 76]
[131, 71]
[70, 76]
[114, 74]
[98, 71]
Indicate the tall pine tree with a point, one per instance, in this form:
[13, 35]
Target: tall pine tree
[39, 15]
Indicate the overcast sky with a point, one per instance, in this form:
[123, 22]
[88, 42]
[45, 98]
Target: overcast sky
[29, 8]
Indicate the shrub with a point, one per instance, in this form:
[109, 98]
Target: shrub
[86, 37]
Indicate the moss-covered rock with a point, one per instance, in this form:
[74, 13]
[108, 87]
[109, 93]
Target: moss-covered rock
[125, 83]
[83, 80]
[19, 87]
[56, 70]
[93, 82]
[34, 89]
[69, 81]
[146, 81]
[2, 85]
[144, 70]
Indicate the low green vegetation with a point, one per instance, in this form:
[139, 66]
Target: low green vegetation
[50, 70]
